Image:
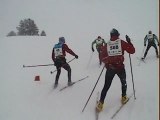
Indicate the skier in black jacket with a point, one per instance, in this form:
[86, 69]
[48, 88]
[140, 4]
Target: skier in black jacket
[152, 39]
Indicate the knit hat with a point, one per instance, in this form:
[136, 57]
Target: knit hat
[62, 40]
[114, 32]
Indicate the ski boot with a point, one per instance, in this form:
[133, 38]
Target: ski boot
[99, 106]
[142, 58]
[55, 84]
[124, 99]
[70, 83]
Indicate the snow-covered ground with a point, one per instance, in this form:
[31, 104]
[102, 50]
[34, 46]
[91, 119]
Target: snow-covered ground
[24, 98]
[80, 23]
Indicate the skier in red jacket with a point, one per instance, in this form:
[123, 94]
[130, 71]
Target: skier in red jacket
[58, 57]
[112, 54]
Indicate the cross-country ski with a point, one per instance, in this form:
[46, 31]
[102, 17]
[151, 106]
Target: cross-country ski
[73, 83]
[120, 107]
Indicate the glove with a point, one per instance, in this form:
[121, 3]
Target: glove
[92, 49]
[128, 39]
[76, 56]
[144, 44]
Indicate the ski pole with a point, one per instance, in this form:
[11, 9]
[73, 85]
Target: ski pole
[132, 76]
[141, 56]
[63, 65]
[93, 88]
[37, 65]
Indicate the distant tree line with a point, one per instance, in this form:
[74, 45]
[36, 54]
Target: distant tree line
[27, 27]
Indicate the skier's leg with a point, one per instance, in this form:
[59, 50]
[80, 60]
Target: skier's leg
[58, 74]
[68, 68]
[148, 47]
[156, 49]
[58, 67]
[122, 75]
[110, 73]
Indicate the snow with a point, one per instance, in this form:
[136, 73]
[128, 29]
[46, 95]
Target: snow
[80, 23]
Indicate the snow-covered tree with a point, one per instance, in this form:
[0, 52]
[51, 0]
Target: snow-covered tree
[12, 33]
[27, 27]
[43, 33]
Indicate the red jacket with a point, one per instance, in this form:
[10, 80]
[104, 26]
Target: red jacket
[115, 61]
[65, 49]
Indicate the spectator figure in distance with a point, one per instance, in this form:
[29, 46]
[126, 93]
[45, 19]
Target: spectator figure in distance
[99, 43]
[152, 39]
[58, 57]
[112, 54]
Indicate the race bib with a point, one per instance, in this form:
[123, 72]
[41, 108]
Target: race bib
[58, 50]
[114, 48]
[150, 38]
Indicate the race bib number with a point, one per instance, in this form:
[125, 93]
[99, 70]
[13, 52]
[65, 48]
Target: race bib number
[58, 52]
[114, 48]
[150, 37]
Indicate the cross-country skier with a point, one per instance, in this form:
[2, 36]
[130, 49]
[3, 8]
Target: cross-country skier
[58, 57]
[99, 42]
[112, 54]
[152, 39]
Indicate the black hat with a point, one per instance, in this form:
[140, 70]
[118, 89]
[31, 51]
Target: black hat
[114, 32]
[150, 32]
[99, 37]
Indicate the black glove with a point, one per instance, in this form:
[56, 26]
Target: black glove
[92, 49]
[144, 44]
[76, 56]
[128, 39]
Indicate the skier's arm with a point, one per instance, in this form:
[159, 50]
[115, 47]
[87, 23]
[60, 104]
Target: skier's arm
[53, 55]
[104, 42]
[128, 47]
[156, 38]
[67, 49]
[93, 45]
[145, 40]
